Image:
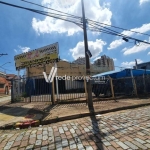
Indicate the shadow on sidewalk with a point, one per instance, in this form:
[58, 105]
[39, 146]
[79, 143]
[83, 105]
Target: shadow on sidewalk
[96, 132]
[18, 110]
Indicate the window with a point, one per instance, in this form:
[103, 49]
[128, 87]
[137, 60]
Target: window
[1, 85]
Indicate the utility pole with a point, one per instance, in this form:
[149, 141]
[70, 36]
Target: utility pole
[88, 84]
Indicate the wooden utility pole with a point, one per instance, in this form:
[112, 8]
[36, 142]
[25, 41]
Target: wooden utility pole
[88, 84]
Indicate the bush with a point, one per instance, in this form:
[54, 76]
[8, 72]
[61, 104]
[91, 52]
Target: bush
[24, 94]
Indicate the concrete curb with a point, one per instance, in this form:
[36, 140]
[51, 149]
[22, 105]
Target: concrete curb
[20, 125]
[46, 122]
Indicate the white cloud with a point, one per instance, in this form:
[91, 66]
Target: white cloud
[136, 49]
[115, 59]
[116, 43]
[22, 49]
[65, 59]
[93, 11]
[130, 64]
[144, 1]
[95, 47]
[148, 53]
[49, 25]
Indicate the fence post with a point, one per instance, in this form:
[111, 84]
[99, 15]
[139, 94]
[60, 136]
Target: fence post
[30, 95]
[134, 85]
[144, 84]
[53, 93]
[112, 88]
[85, 90]
[12, 92]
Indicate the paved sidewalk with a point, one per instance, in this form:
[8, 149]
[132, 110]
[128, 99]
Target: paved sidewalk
[61, 111]
[46, 113]
[5, 99]
[124, 130]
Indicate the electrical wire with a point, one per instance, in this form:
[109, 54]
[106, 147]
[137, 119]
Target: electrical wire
[57, 16]
[50, 9]
[118, 34]
[54, 15]
[87, 19]
[97, 23]
[107, 29]
[111, 33]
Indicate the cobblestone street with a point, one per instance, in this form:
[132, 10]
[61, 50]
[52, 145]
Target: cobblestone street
[123, 130]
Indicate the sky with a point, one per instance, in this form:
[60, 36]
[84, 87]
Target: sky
[22, 30]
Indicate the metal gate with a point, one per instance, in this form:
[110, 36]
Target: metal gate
[31, 89]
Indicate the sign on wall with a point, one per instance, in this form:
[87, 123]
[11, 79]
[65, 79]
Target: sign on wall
[46, 54]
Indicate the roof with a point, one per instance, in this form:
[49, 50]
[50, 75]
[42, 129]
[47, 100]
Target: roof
[106, 73]
[2, 73]
[10, 76]
[124, 73]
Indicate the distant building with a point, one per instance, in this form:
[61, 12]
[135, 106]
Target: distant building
[4, 84]
[145, 65]
[79, 61]
[105, 61]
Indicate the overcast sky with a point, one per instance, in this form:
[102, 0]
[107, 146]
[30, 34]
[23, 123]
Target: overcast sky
[22, 31]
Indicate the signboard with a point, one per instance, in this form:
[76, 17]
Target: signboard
[46, 54]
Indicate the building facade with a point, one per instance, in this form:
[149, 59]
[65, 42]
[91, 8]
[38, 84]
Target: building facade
[76, 68]
[80, 61]
[4, 84]
[105, 61]
[145, 65]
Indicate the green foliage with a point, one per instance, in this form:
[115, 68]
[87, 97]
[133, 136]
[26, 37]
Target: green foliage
[24, 94]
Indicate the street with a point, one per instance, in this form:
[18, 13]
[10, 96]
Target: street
[128, 129]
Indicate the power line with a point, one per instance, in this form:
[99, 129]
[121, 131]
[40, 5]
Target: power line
[87, 19]
[97, 23]
[57, 16]
[54, 15]
[119, 34]
[50, 9]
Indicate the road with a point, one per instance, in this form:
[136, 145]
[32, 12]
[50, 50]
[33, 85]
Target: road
[123, 130]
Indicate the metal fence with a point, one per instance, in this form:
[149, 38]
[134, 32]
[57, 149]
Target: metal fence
[33, 89]
[123, 87]
[143, 85]
[70, 89]
[36, 89]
